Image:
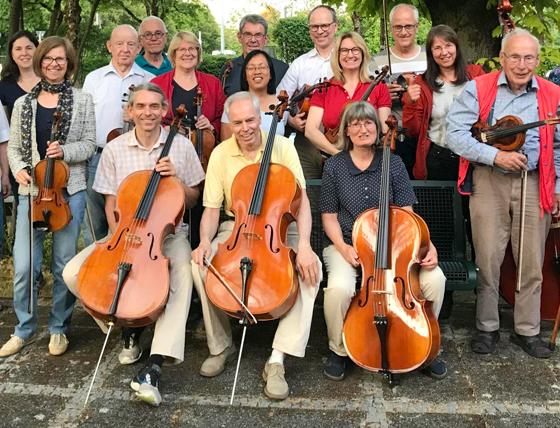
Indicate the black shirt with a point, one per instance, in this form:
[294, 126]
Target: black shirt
[348, 191]
[233, 80]
[43, 126]
[182, 96]
[9, 93]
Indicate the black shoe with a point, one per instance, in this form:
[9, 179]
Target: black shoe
[437, 369]
[335, 367]
[484, 342]
[146, 384]
[533, 345]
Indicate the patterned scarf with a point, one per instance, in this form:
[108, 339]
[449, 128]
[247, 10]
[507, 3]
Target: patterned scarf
[65, 103]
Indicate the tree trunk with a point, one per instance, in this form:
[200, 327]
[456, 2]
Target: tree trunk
[56, 18]
[357, 23]
[16, 16]
[73, 18]
[473, 23]
[83, 39]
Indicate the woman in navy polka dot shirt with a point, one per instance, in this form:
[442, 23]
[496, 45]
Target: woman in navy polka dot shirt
[350, 185]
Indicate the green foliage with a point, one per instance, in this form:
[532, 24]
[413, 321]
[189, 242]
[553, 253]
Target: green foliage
[212, 64]
[292, 37]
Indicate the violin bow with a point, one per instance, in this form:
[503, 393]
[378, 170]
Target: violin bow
[387, 36]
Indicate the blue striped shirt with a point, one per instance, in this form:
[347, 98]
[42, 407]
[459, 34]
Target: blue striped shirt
[464, 112]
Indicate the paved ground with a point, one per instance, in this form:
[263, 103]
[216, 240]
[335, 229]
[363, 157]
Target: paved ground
[508, 389]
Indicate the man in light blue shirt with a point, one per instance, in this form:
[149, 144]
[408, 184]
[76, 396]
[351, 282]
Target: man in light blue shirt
[497, 185]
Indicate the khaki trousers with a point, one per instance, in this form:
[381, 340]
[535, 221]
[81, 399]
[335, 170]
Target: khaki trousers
[293, 329]
[341, 287]
[495, 211]
[169, 332]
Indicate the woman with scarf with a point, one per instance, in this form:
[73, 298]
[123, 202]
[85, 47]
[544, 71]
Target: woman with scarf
[54, 62]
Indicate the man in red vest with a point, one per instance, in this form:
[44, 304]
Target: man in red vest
[495, 184]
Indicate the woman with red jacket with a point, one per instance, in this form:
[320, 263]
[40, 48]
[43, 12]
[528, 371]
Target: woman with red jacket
[181, 84]
[428, 99]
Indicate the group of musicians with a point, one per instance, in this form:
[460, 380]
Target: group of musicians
[431, 89]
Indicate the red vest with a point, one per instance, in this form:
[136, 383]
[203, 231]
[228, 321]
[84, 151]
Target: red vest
[548, 100]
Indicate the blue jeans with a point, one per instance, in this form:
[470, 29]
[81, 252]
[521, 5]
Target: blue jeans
[64, 247]
[96, 206]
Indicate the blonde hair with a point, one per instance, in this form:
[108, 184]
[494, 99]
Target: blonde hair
[183, 36]
[361, 44]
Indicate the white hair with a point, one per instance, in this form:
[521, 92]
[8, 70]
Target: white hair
[397, 7]
[517, 32]
[150, 18]
[243, 95]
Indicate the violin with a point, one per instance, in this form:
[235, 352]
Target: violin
[50, 208]
[126, 279]
[301, 100]
[128, 125]
[508, 133]
[203, 139]
[332, 133]
[389, 328]
[266, 199]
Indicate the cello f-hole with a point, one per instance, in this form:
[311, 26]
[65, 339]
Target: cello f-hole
[362, 303]
[407, 304]
[230, 248]
[271, 240]
[151, 250]
[123, 232]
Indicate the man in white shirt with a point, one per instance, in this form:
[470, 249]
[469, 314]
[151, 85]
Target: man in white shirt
[308, 69]
[109, 86]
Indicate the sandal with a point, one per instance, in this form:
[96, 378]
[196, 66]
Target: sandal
[484, 342]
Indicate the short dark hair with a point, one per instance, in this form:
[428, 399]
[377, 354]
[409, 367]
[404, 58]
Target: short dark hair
[10, 71]
[432, 71]
[271, 88]
[46, 46]
[150, 87]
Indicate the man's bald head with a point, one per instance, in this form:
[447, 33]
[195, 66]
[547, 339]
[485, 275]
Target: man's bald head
[123, 46]
[123, 29]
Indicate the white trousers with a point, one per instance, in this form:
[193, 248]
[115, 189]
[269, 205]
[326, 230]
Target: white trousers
[341, 287]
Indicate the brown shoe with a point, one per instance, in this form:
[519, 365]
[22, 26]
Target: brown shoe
[215, 364]
[276, 386]
[13, 346]
[58, 344]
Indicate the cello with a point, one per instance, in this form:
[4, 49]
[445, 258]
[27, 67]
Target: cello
[50, 210]
[203, 139]
[389, 328]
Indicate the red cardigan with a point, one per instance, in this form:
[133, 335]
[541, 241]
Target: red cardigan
[548, 99]
[416, 119]
[213, 101]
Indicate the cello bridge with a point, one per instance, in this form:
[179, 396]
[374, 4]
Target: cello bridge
[133, 239]
[381, 292]
[252, 236]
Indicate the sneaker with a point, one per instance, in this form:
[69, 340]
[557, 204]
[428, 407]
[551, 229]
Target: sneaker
[437, 369]
[335, 367]
[215, 364]
[146, 384]
[58, 344]
[131, 351]
[276, 386]
[13, 346]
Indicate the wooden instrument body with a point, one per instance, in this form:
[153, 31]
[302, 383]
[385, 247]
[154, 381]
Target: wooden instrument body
[140, 243]
[550, 292]
[482, 131]
[208, 144]
[117, 132]
[413, 337]
[50, 198]
[273, 283]
[332, 135]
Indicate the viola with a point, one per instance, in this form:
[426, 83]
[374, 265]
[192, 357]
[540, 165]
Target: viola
[126, 279]
[128, 125]
[389, 328]
[332, 133]
[50, 208]
[301, 100]
[203, 139]
[266, 200]
[508, 133]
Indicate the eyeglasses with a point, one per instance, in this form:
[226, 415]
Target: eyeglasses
[323, 27]
[516, 59]
[345, 51]
[408, 28]
[259, 68]
[257, 36]
[356, 126]
[191, 51]
[48, 60]
[151, 36]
